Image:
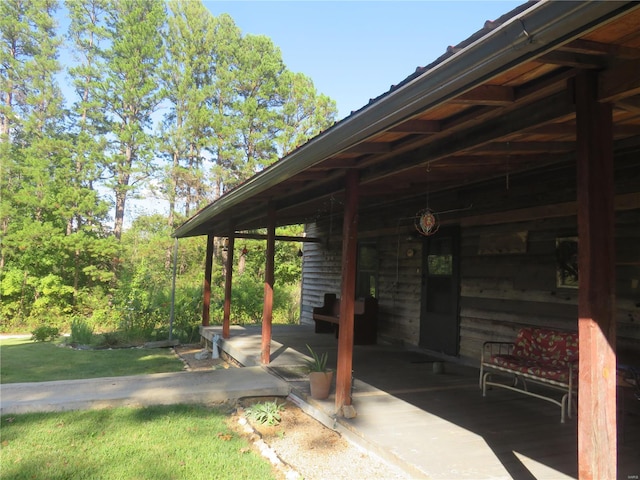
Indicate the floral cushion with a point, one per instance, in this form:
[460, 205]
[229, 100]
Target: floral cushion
[542, 370]
[542, 353]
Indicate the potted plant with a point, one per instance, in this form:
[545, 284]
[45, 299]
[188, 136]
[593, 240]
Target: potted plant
[320, 376]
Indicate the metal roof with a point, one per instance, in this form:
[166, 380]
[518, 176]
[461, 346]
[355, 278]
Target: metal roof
[501, 93]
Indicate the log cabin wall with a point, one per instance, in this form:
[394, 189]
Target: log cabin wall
[508, 257]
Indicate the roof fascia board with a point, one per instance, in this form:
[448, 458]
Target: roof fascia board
[528, 34]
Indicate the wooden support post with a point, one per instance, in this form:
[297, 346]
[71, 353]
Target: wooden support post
[348, 292]
[267, 308]
[228, 282]
[206, 294]
[597, 442]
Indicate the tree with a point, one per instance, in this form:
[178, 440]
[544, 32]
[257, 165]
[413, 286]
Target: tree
[33, 154]
[87, 211]
[304, 113]
[188, 73]
[261, 110]
[130, 94]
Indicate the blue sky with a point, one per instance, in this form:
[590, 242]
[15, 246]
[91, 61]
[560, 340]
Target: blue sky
[352, 50]
[355, 50]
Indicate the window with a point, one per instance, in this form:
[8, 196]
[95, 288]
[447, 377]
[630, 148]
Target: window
[567, 262]
[440, 257]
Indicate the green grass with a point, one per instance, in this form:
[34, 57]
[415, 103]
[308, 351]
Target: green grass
[22, 360]
[155, 443]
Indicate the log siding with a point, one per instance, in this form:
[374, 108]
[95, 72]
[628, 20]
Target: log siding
[499, 292]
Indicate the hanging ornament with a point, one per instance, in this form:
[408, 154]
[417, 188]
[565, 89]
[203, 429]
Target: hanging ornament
[426, 222]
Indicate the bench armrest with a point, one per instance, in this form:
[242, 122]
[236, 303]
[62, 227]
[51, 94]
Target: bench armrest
[492, 348]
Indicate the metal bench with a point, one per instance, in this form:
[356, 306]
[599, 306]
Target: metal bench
[542, 356]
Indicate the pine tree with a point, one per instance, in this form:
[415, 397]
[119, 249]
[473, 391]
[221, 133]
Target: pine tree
[304, 113]
[130, 93]
[33, 156]
[87, 211]
[188, 74]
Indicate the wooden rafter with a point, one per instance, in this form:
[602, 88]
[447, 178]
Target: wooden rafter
[496, 95]
[417, 126]
[619, 82]
[575, 60]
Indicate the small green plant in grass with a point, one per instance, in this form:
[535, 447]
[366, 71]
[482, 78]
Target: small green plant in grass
[45, 333]
[81, 332]
[266, 412]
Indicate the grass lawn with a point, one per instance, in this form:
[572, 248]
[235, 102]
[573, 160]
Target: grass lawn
[164, 442]
[22, 360]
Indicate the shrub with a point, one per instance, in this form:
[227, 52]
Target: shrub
[81, 332]
[45, 333]
[267, 412]
[110, 339]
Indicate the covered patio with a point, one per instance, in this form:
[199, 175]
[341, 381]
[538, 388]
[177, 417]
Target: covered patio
[519, 141]
[434, 425]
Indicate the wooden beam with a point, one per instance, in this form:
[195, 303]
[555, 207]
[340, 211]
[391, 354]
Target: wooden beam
[619, 82]
[597, 437]
[282, 238]
[475, 159]
[525, 147]
[631, 104]
[348, 292]
[496, 95]
[206, 294]
[417, 126]
[474, 114]
[554, 129]
[557, 107]
[575, 60]
[609, 49]
[228, 282]
[629, 201]
[370, 147]
[267, 307]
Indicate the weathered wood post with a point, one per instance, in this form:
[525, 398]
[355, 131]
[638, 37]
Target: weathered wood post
[267, 308]
[228, 282]
[206, 294]
[348, 291]
[597, 438]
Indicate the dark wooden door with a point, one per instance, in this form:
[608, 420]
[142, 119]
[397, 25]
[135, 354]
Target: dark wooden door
[439, 315]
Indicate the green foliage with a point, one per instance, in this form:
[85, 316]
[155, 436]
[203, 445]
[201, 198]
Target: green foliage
[265, 412]
[318, 362]
[232, 108]
[81, 332]
[45, 333]
[187, 314]
[110, 339]
[247, 295]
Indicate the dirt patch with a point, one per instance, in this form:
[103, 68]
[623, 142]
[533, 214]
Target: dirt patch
[309, 450]
[299, 446]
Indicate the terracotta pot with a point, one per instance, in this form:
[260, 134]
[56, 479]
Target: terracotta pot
[320, 383]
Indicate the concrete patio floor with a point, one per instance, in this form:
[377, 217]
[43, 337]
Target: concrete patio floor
[434, 425]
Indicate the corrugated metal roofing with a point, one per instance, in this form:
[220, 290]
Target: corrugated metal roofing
[509, 66]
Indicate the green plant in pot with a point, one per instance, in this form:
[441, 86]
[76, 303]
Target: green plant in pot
[320, 376]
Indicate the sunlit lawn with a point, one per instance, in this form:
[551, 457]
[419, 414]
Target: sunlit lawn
[22, 360]
[163, 442]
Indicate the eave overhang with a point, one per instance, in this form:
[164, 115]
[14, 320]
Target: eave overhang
[530, 32]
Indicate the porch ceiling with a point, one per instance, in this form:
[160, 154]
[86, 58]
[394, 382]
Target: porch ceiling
[498, 103]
